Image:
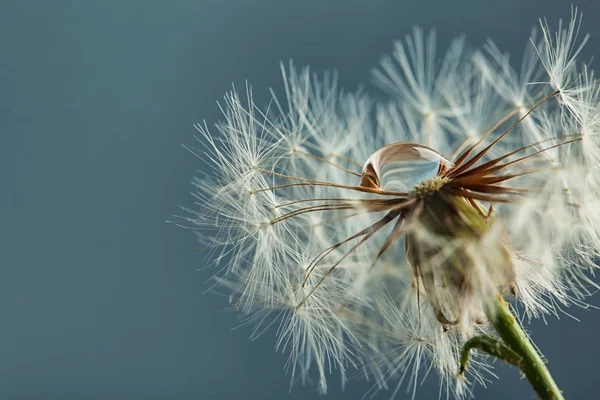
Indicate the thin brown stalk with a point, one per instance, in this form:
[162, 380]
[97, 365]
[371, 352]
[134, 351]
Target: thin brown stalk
[457, 169]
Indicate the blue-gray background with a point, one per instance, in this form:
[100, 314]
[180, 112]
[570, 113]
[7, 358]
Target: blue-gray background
[99, 297]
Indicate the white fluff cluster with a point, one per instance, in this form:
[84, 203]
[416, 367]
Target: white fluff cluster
[303, 243]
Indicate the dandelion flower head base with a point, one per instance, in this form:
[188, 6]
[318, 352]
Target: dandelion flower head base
[443, 226]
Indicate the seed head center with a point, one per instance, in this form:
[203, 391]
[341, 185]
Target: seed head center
[429, 186]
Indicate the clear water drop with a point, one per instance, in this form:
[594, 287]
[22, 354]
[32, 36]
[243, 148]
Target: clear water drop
[399, 167]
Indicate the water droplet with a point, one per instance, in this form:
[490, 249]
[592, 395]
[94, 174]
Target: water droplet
[401, 166]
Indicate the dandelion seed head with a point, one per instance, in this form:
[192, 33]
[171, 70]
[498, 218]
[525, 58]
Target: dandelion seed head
[375, 235]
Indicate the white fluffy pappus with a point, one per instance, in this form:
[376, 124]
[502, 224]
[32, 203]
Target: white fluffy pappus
[375, 235]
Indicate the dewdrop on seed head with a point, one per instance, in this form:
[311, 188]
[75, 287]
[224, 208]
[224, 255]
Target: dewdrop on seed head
[401, 166]
[376, 235]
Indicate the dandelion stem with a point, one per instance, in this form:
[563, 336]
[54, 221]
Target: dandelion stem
[532, 364]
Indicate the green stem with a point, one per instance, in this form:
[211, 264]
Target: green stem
[533, 366]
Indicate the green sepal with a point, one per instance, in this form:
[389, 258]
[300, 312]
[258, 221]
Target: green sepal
[493, 347]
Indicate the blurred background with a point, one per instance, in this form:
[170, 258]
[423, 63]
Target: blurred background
[100, 298]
